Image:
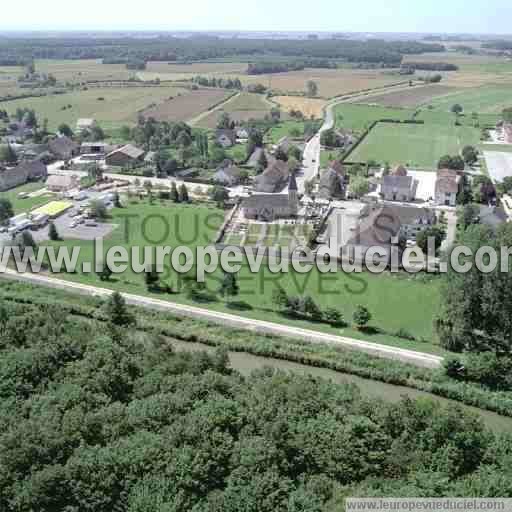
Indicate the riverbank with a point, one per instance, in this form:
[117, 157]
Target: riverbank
[247, 363]
[314, 356]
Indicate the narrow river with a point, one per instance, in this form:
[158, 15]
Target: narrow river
[246, 363]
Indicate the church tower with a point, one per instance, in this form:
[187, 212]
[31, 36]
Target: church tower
[293, 199]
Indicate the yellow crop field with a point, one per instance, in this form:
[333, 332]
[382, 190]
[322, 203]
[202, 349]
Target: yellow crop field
[308, 106]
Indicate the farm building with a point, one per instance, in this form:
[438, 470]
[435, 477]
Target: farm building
[398, 186]
[447, 187]
[25, 171]
[126, 155]
[332, 182]
[63, 148]
[85, 124]
[268, 207]
[61, 184]
[227, 174]
[226, 138]
[274, 178]
[380, 224]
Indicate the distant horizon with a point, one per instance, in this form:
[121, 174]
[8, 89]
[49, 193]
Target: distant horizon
[325, 16]
[169, 31]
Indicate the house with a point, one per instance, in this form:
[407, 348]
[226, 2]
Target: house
[398, 186]
[25, 171]
[30, 151]
[62, 184]
[125, 155]
[254, 159]
[96, 148]
[63, 148]
[242, 133]
[85, 125]
[268, 207]
[226, 138]
[332, 182]
[447, 187]
[274, 178]
[380, 225]
[227, 174]
[344, 137]
[18, 131]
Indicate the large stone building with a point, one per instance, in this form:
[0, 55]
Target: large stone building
[379, 225]
[61, 184]
[332, 183]
[269, 207]
[24, 172]
[125, 155]
[398, 186]
[274, 178]
[447, 187]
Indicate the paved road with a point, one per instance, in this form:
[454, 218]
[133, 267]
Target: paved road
[225, 319]
[311, 156]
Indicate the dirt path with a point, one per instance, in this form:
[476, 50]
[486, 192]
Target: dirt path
[200, 117]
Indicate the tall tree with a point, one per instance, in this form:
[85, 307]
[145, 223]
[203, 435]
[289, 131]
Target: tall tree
[117, 311]
[6, 210]
[183, 193]
[311, 88]
[229, 285]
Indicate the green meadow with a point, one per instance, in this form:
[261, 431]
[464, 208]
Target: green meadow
[395, 301]
[414, 145]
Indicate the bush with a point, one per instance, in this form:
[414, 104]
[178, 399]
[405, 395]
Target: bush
[361, 317]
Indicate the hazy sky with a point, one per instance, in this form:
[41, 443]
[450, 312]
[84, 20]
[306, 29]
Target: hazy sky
[477, 16]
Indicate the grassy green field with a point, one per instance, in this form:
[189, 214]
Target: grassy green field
[360, 117]
[395, 301]
[484, 100]
[413, 145]
[25, 205]
[241, 109]
[285, 129]
[119, 105]
[447, 118]
[238, 153]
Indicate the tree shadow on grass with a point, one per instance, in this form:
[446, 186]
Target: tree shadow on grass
[239, 306]
[370, 330]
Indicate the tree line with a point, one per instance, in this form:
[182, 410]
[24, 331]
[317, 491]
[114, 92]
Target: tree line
[95, 415]
[167, 48]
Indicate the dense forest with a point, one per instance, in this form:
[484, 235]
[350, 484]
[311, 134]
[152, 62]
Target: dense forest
[432, 66]
[96, 415]
[164, 48]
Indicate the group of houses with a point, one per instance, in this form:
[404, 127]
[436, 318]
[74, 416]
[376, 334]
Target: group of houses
[227, 137]
[401, 186]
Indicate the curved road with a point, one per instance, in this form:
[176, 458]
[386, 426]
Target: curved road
[226, 319]
[311, 157]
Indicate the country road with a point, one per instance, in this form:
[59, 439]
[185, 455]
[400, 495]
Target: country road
[311, 156]
[230, 320]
